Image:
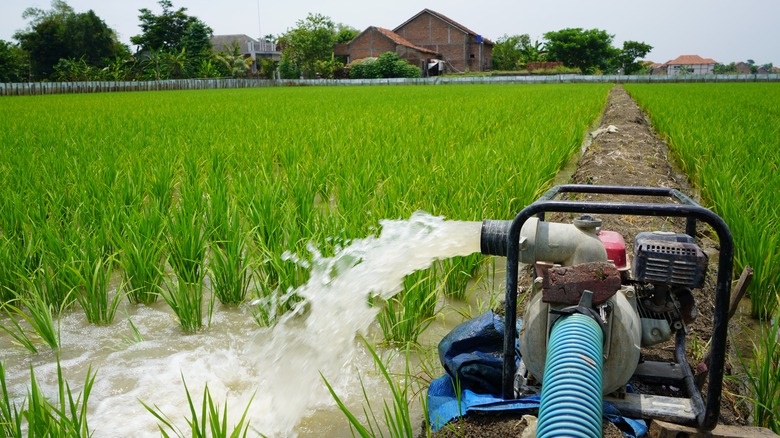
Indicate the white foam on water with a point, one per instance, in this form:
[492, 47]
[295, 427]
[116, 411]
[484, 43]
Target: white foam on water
[277, 368]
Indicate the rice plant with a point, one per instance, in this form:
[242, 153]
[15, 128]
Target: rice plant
[396, 418]
[187, 242]
[459, 271]
[186, 301]
[406, 315]
[94, 294]
[161, 185]
[40, 315]
[10, 414]
[229, 268]
[143, 255]
[211, 421]
[219, 200]
[9, 276]
[66, 417]
[59, 268]
[762, 375]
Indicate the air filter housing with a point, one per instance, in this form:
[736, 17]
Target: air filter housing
[668, 258]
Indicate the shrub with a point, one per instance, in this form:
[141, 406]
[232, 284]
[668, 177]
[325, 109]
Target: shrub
[387, 65]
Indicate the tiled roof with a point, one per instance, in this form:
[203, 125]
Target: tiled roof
[445, 19]
[224, 42]
[401, 41]
[690, 60]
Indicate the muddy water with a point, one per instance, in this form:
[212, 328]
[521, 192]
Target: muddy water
[277, 368]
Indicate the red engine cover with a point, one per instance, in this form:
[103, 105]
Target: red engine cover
[616, 248]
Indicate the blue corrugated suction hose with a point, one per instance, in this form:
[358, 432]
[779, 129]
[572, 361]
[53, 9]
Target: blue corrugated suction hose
[571, 403]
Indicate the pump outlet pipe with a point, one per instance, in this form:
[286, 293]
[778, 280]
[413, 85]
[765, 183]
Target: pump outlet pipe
[571, 403]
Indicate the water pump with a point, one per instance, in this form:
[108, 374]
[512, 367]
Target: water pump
[590, 313]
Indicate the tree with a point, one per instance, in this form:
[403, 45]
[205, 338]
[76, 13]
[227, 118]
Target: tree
[632, 51]
[507, 52]
[531, 52]
[171, 31]
[589, 50]
[61, 33]
[309, 42]
[725, 69]
[13, 63]
[233, 62]
[197, 39]
[515, 52]
[345, 34]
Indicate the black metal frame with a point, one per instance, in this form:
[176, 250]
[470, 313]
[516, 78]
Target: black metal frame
[706, 416]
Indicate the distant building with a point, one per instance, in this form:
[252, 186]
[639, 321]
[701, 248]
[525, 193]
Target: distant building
[690, 65]
[375, 41]
[422, 40]
[742, 68]
[462, 48]
[247, 46]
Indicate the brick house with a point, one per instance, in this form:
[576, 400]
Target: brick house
[691, 65]
[426, 36]
[375, 41]
[460, 46]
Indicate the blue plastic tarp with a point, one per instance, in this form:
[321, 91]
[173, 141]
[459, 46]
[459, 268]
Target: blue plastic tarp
[473, 351]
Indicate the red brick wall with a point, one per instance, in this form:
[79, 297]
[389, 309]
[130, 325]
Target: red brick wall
[369, 44]
[373, 44]
[456, 46]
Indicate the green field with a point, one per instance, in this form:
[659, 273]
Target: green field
[192, 197]
[726, 137]
[127, 181]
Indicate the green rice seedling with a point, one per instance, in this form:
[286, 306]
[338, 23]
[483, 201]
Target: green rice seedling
[406, 315]
[9, 270]
[458, 272]
[219, 200]
[137, 336]
[161, 185]
[396, 416]
[211, 423]
[10, 414]
[229, 268]
[190, 189]
[15, 331]
[128, 191]
[187, 244]
[41, 317]
[186, 301]
[143, 255]
[68, 418]
[762, 374]
[59, 268]
[12, 214]
[94, 295]
[277, 276]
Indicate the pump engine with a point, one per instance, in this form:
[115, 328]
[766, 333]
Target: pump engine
[590, 312]
[638, 307]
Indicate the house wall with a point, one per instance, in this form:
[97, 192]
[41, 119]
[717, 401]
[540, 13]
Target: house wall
[693, 69]
[369, 44]
[374, 43]
[459, 48]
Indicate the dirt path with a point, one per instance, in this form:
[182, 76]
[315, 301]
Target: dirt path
[625, 151]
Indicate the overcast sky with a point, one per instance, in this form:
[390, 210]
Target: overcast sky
[724, 30]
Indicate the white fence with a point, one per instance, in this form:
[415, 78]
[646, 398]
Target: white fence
[40, 88]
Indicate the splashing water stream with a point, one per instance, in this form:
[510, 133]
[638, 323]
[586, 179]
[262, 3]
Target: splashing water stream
[279, 366]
